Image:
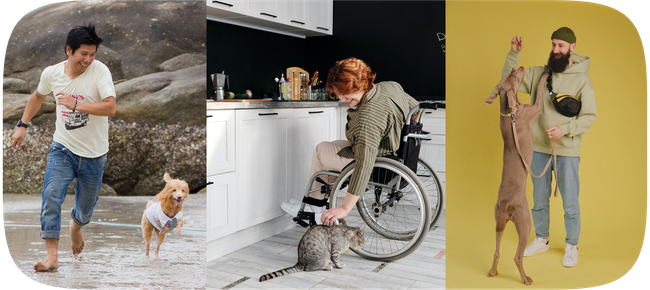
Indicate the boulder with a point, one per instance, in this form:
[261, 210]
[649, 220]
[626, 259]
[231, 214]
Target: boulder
[182, 61]
[138, 157]
[164, 97]
[138, 36]
[10, 85]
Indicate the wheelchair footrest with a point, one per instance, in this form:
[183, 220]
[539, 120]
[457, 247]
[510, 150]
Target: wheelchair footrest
[302, 216]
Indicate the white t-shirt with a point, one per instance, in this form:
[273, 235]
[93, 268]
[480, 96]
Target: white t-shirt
[155, 213]
[84, 134]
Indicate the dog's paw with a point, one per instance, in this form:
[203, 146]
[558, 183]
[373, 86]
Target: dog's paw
[492, 273]
[528, 281]
[178, 232]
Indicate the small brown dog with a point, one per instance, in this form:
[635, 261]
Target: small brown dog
[511, 202]
[165, 213]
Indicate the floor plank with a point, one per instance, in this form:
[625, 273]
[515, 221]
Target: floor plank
[422, 269]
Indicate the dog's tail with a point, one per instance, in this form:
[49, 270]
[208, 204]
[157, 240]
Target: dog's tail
[295, 269]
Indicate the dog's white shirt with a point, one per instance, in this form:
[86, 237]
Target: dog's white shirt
[155, 213]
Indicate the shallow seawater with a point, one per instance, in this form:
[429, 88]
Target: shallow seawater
[113, 256]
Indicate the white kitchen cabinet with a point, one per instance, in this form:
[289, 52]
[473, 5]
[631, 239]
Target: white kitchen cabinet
[298, 18]
[269, 10]
[228, 8]
[296, 14]
[310, 126]
[263, 140]
[222, 205]
[321, 15]
[220, 139]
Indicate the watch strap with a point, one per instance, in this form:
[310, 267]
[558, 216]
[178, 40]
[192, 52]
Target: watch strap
[21, 124]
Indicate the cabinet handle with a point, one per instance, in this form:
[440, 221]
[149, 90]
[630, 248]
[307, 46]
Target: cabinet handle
[269, 15]
[223, 3]
[209, 116]
[317, 112]
[322, 28]
[429, 112]
[209, 183]
[268, 114]
[301, 23]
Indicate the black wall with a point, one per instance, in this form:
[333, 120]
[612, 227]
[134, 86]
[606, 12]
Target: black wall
[251, 58]
[397, 39]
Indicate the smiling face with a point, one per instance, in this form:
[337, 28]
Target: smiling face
[79, 61]
[560, 57]
[352, 99]
[175, 191]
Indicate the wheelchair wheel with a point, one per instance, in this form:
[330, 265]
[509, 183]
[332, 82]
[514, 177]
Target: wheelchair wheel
[393, 211]
[434, 189]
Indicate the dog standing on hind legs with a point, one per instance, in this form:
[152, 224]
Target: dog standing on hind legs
[511, 202]
[165, 213]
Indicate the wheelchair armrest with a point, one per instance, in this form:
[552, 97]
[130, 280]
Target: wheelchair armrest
[424, 136]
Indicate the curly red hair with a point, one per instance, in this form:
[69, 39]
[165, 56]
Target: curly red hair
[349, 76]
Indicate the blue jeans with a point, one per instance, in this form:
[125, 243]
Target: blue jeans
[569, 187]
[62, 167]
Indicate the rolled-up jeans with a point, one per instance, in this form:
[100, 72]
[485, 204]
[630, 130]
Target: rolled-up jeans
[62, 167]
[569, 187]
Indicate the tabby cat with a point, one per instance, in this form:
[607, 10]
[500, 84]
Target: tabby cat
[320, 245]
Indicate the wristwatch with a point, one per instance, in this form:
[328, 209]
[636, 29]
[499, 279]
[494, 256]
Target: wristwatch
[21, 124]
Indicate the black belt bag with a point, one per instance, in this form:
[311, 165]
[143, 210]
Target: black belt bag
[566, 105]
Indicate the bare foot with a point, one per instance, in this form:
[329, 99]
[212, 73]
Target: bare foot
[46, 265]
[76, 238]
[52, 260]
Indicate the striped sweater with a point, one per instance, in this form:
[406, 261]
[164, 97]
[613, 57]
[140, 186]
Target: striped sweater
[374, 128]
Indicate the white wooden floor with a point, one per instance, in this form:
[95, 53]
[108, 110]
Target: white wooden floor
[422, 269]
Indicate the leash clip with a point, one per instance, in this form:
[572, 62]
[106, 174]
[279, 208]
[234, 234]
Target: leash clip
[513, 115]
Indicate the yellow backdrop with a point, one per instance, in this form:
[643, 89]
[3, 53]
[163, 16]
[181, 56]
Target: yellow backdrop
[613, 155]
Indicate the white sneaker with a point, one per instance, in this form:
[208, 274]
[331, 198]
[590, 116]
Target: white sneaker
[293, 200]
[293, 208]
[536, 246]
[570, 256]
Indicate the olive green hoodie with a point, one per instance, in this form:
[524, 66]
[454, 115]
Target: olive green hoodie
[573, 81]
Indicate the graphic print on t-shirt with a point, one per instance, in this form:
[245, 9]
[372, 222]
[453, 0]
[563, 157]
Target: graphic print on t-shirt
[75, 119]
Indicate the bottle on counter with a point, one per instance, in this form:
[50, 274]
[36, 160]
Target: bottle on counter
[283, 88]
[289, 89]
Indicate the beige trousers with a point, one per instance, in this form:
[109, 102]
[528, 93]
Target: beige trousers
[325, 158]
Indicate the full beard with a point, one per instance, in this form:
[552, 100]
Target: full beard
[558, 64]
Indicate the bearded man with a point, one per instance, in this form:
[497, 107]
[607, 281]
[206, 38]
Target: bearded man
[568, 79]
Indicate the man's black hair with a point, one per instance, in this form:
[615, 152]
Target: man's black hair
[83, 34]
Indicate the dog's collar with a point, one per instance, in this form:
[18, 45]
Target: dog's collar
[511, 114]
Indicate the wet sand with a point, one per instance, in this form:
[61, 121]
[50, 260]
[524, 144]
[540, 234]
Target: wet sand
[113, 256]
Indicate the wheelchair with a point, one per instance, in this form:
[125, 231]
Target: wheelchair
[402, 201]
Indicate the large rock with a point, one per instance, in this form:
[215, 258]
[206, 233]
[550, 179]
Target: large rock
[182, 61]
[164, 97]
[138, 35]
[138, 157]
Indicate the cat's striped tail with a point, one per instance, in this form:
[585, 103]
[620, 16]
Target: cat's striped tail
[278, 273]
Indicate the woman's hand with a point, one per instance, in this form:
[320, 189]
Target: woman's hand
[340, 212]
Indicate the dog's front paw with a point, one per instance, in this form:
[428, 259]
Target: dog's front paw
[178, 231]
[528, 280]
